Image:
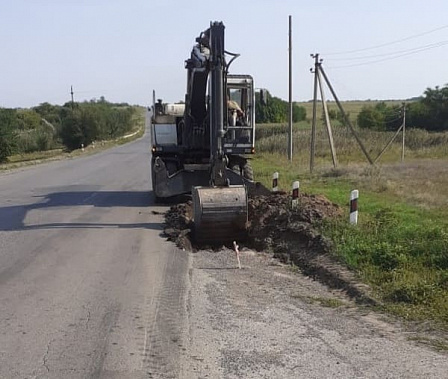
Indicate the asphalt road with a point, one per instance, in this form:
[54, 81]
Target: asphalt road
[89, 289]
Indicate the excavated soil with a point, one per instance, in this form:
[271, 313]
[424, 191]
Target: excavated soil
[290, 234]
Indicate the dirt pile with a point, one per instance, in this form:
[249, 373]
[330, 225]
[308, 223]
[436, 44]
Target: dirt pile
[272, 222]
[179, 225]
[290, 234]
[275, 226]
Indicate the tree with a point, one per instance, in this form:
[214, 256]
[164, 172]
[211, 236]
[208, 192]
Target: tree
[436, 102]
[418, 115]
[276, 110]
[298, 113]
[28, 119]
[8, 126]
[371, 118]
[93, 120]
[80, 127]
[49, 112]
[71, 130]
[380, 117]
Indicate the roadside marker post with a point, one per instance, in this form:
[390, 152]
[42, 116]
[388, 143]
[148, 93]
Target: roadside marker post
[237, 252]
[295, 194]
[275, 182]
[354, 207]
[82, 147]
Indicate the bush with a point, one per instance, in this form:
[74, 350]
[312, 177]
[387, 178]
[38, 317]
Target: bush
[90, 121]
[8, 137]
[380, 117]
[43, 127]
[276, 110]
[79, 128]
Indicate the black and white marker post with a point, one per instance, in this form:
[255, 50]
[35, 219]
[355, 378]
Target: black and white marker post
[275, 182]
[354, 207]
[295, 194]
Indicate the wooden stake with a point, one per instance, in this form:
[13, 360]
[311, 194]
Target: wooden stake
[237, 252]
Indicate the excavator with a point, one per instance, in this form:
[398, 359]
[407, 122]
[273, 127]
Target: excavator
[202, 145]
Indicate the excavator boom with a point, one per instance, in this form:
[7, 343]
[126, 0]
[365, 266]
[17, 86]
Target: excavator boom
[220, 210]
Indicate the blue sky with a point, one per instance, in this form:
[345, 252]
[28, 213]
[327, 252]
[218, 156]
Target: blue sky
[124, 49]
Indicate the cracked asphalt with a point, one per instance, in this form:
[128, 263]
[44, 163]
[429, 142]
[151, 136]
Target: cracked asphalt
[90, 289]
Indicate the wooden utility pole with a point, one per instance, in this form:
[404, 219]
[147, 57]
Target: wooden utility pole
[313, 126]
[388, 144]
[290, 91]
[327, 118]
[347, 120]
[402, 127]
[404, 132]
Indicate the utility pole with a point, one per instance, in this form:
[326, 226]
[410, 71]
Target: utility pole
[313, 126]
[404, 132]
[290, 90]
[388, 144]
[401, 128]
[71, 92]
[346, 119]
[327, 118]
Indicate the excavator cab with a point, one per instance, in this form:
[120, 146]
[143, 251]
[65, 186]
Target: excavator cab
[240, 115]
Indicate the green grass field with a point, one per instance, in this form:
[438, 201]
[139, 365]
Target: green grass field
[352, 108]
[400, 246]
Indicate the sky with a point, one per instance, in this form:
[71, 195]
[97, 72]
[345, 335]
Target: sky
[125, 49]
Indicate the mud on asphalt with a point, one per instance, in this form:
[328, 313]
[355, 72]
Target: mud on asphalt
[289, 234]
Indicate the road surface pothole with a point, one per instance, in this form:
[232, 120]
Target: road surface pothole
[288, 232]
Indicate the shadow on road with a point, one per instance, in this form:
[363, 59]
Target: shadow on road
[12, 217]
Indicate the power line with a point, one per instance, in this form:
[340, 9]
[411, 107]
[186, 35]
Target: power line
[431, 45]
[393, 57]
[389, 43]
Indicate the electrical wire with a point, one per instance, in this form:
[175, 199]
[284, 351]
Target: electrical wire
[389, 43]
[417, 49]
[393, 57]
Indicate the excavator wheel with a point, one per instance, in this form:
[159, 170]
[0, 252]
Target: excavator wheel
[219, 214]
[243, 168]
[247, 171]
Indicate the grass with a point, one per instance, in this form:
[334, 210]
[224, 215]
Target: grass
[419, 144]
[38, 155]
[328, 302]
[352, 108]
[400, 246]
[436, 344]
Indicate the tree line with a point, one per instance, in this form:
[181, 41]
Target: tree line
[272, 109]
[69, 126]
[429, 112]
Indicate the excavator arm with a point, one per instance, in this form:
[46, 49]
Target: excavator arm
[220, 210]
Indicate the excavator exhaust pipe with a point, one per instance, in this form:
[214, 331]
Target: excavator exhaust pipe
[220, 214]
